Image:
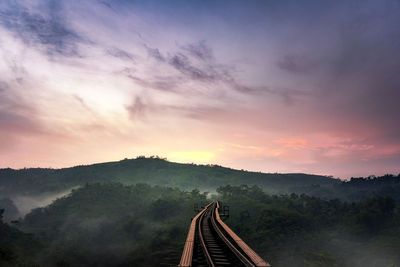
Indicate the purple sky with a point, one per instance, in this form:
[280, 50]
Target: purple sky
[272, 86]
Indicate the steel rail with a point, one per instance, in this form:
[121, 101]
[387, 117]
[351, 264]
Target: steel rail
[187, 254]
[255, 259]
[203, 244]
[234, 246]
[231, 246]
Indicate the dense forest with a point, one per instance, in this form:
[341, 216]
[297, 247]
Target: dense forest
[140, 225]
[299, 230]
[139, 215]
[24, 189]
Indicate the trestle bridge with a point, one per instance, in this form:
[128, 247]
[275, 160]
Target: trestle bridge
[210, 242]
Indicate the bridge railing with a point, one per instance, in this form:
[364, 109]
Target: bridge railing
[187, 254]
[254, 257]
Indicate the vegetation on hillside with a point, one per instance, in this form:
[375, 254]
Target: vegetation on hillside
[28, 188]
[300, 230]
[17, 248]
[137, 212]
[155, 171]
[113, 224]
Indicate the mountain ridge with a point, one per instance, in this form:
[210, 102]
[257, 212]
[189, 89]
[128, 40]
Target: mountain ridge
[153, 170]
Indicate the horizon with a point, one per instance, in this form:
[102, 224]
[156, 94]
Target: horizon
[197, 164]
[276, 87]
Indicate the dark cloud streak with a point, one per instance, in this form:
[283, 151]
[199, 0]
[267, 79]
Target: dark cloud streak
[206, 71]
[142, 109]
[207, 74]
[137, 109]
[163, 84]
[46, 30]
[155, 53]
[196, 62]
[200, 50]
[121, 54]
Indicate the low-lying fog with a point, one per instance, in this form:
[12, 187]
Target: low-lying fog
[26, 203]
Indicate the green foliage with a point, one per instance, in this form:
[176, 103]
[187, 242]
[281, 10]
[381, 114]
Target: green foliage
[155, 171]
[300, 230]
[284, 222]
[17, 248]
[114, 225]
[158, 171]
[375, 213]
[135, 213]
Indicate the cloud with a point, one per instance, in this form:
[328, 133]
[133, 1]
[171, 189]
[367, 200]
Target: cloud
[195, 62]
[83, 104]
[144, 108]
[121, 54]
[18, 119]
[246, 147]
[137, 109]
[23, 122]
[3, 86]
[295, 63]
[106, 4]
[347, 64]
[206, 74]
[16, 116]
[363, 70]
[183, 62]
[12, 122]
[310, 70]
[45, 29]
[200, 50]
[155, 53]
[295, 143]
[164, 84]
[203, 112]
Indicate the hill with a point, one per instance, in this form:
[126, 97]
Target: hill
[155, 171]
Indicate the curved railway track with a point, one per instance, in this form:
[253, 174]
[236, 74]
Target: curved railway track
[210, 242]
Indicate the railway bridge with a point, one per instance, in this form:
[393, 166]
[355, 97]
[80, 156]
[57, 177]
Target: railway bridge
[210, 242]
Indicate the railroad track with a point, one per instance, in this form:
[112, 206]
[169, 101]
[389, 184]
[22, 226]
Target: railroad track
[210, 242]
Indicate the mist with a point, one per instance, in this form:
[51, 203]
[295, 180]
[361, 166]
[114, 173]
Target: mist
[25, 204]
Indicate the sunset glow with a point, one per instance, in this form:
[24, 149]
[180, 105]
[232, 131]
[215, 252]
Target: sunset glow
[192, 156]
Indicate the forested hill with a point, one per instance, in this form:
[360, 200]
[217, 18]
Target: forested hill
[154, 171]
[110, 224]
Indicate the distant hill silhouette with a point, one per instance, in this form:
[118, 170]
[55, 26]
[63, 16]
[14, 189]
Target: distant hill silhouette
[158, 171]
[155, 171]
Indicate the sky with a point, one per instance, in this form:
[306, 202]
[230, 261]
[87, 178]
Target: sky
[271, 86]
